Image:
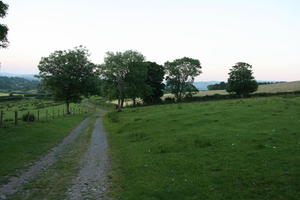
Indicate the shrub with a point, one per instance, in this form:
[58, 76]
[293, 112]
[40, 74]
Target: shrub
[169, 100]
[29, 117]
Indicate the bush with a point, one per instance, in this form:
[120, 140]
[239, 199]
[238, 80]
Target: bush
[29, 117]
[169, 100]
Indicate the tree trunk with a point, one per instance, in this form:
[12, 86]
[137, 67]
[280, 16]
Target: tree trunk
[134, 101]
[122, 102]
[68, 107]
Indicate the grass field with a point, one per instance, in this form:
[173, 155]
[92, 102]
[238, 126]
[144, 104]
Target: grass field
[269, 88]
[3, 94]
[232, 149]
[20, 145]
[34, 106]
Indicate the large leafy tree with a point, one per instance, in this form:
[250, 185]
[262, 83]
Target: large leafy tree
[69, 75]
[181, 74]
[3, 27]
[241, 80]
[154, 80]
[119, 69]
[135, 80]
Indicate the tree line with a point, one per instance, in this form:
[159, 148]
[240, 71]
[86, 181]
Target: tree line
[69, 75]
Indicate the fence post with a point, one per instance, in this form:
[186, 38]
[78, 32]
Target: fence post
[16, 117]
[1, 118]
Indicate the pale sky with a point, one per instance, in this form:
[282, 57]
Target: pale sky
[264, 33]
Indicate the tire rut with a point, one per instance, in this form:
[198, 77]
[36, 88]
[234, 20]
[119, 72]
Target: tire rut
[92, 181]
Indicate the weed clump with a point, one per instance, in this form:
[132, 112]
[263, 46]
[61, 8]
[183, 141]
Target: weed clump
[29, 117]
[113, 117]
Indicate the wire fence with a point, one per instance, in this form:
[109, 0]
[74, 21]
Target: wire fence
[9, 117]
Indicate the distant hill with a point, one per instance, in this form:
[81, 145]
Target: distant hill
[26, 76]
[17, 83]
[202, 85]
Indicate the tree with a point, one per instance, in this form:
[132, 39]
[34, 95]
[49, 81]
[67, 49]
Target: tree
[116, 70]
[241, 80]
[181, 74]
[3, 27]
[135, 80]
[68, 75]
[155, 77]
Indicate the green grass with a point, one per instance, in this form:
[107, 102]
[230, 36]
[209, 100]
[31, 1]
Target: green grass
[2, 94]
[233, 149]
[22, 144]
[53, 183]
[47, 109]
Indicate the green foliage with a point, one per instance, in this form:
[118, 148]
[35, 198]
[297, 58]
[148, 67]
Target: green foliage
[28, 117]
[181, 74]
[16, 83]
[122, 70]
[199, 151]
[155, 77]
[136, 85]
[241, 80]
[3, 27]
[69, 75]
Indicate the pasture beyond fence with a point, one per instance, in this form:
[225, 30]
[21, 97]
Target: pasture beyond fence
[44, 114]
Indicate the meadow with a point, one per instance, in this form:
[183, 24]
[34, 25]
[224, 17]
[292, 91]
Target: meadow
[45, 109]
[269, 88]
[230, 149]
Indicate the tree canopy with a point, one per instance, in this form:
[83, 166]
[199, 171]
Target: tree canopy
[123, 70]
[68, 74]
[3, 27]
[181, 74]
[154, 80]
[241, 80]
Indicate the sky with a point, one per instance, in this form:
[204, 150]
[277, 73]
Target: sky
[220, 33]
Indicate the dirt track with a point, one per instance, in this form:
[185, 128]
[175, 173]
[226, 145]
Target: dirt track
[92, 180]
[15, 183]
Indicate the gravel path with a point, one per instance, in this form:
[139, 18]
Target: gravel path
[92, 180]
[16, 182]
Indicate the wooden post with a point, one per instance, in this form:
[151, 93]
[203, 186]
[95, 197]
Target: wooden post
[16, 117]
[1, 118]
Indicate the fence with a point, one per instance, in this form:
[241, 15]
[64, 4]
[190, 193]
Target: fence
[44, 114]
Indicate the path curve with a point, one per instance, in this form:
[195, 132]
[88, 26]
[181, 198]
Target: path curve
[15, 183]
[92, 181]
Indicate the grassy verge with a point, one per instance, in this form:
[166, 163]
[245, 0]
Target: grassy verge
[20, 145]
[233, 149]
[54, 182]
